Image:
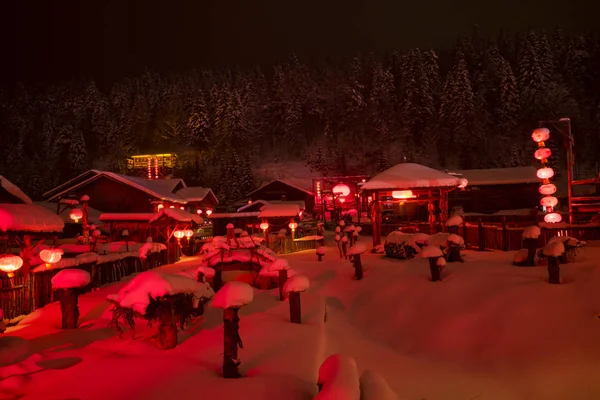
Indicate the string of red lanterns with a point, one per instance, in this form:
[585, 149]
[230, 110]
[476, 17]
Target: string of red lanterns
[547, 189]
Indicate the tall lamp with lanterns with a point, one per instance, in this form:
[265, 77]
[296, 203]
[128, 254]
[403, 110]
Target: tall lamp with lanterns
[547, 189]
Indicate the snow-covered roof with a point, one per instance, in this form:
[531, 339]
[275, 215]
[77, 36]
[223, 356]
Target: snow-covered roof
[195, 193]
[177, 215]
[93, 214]
[409, 176]
[28, 218]
[162, 189]
[499, 176]
[127, 216]
[234, 215]
[279, 210]
[14, 190]
[301, 204]
[281, 181]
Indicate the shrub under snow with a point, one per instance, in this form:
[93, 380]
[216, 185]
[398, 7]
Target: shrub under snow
[338, 377]
[71, 278]
[532, 232]
[297, 283]
[374, 387]
[233, 294]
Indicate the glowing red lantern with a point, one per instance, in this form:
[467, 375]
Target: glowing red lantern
[182, 208]
[188, 233]
[341, 189]
[76, 214]
[543, 153]
[540, 135]
[178, 234]
[547, 189]
[160, 207]
[549, 201]
[552, 218]
[198, 211]
[545, 173]
[51, 256]
[10, 264]
[208, 212]
[342, 199]
[402, 194]
[462, 183]
[293, 226]
[264, 226]
[172, 207]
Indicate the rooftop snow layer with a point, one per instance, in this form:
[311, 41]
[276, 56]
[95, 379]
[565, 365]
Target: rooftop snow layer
[28, 218]
[408, 176]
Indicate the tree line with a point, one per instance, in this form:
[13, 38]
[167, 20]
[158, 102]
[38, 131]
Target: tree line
[472, 106]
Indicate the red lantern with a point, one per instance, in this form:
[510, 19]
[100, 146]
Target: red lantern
[198, 211]
[208, 212]
[160, 207]
[76, 214]
[402, 194]
[264, 226]
[10, 264]
[51, 256]
[545, 173]
[540, 135]
[342, 199]
[552, 218]
[188, 233]
[463, 182]
[549, 201]
[178, 234]
[293, 226]
[542, 154]
[182, 208]
[547, 189]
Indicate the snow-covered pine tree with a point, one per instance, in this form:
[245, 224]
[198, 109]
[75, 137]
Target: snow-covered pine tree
[530, 78]
[247, 180]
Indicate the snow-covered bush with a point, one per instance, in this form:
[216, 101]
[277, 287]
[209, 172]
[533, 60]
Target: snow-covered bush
[374, 387]
[401, 246]
[338, 379]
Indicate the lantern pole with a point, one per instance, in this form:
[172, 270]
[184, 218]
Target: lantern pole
[563, 126]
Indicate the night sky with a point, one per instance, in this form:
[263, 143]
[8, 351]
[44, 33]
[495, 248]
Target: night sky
[55, 40]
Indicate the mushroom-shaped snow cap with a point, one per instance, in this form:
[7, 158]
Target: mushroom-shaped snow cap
[229, 226]
[338, 229]
[279, 264]
[358, 229]
[297, 283]
[532, 232]
[455, 220]
[357, 249]
[456, 240]
[431, 251]
[71, 278]
[341, 223]
[233, 295]
[554, 249]
[321, 250]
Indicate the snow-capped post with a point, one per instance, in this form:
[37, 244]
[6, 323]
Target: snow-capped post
[434, 255]
[531, 236]
[455, 243]
[231, 297]
[292, 288]
[293, 225]
[344, 246]
[349, 230]
[265, 228]
[321, 232]
[553, 250]
[354, 252]
[67, 285]
[125, 235]
[338, 240]
[230, 233]
[453, 224]
[84, 221]
[320, 253]
[281, 265]
[356, 233]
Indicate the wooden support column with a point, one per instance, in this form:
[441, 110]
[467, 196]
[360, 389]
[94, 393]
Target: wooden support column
[376, 219]
[443, 208]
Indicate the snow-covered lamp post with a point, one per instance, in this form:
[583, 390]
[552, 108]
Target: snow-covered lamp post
[51, 256]
[10, 264]
[265, 228]
[231, 297]
[282, 266]
[540, 136]
[320, 252]
[436, 261]
[354, 252]
[293, 287]
[553, 250]
[293, 225]
[67, 284]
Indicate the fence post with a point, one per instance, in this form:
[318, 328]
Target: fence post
[504, 235]
[481, 232]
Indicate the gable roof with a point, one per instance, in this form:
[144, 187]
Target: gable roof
[409, 176]
[499, 176]
[280, 181]
[28, 218]
[162, 189]
[301, 204]
[195, 193]
[93, 214]
[177, 215]
[279, 210]
[14, 191]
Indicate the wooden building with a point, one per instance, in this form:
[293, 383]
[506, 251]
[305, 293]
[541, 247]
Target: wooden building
[497, 189]
[11, 194]
[198, 199]
[281, 191]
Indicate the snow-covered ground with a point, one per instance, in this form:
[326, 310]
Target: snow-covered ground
[488, 330]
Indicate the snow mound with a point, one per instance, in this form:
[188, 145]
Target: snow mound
[345, 239]
[455, 220]
[438, 239]
[152, 284]
[520, 256]
[229, 226]
[279, 264]
[358, 229]
[532, 232]
[431, 251]
[554, 249]
[206, 270]
[420, 238]
[297, 283]
[338, 377]
[338, 229]
[321, 250]
[233, 294]
[374, 387]
[357, 249]
[455, 239]
[71, 278]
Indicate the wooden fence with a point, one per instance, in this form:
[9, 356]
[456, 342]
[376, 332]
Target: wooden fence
[23, 294]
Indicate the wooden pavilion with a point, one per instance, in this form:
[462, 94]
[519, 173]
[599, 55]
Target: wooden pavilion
[169, 220]
[410, 183]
